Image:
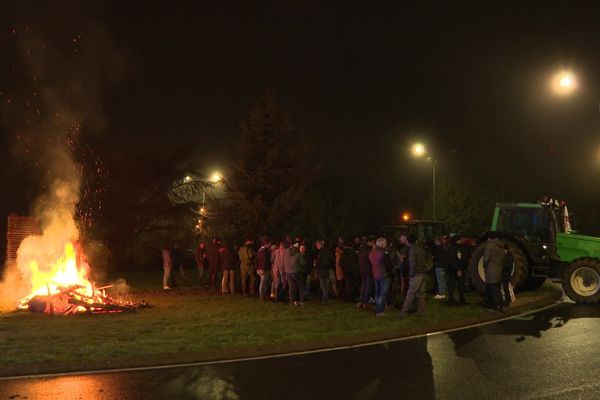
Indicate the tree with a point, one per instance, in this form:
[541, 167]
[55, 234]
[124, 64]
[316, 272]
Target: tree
[464, 206]
[147, 201]
[333, 208]
[269, 174]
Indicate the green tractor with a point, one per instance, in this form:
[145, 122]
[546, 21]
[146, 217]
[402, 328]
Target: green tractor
[539, 236]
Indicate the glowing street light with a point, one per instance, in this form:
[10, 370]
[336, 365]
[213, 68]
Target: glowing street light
[419, 150]
[564, 83]
[405, 217]
[216, 177]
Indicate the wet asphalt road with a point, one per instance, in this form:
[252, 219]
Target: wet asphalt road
[554, 354]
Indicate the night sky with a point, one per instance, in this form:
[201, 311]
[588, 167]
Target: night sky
[365, 81]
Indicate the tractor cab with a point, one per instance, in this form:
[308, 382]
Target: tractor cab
[426, 231]
[532, 225]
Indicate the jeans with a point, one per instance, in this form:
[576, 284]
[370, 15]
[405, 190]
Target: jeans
[324, 284]
[381, 289]
[366, 288]
[441, 282]
[295, 286]
[416, 292]
[265, 277]
[307, 285]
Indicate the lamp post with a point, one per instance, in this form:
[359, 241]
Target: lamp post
[419, 150]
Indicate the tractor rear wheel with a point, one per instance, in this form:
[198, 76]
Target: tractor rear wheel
[581, 281]
[477, 272]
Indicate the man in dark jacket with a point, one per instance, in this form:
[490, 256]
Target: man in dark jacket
[440, 265]
[366, 272]
[349, 263]
[455, 272]
[418, 274]
[493, 255]
[293, 262]
[263, 268]
[323, 264]
[212, 256]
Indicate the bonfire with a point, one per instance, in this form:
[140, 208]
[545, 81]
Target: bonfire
[63, 287]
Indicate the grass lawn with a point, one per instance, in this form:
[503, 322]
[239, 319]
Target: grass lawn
[187, 324]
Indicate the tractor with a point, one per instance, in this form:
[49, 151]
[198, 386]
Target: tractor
[424, 230]
[543, 245]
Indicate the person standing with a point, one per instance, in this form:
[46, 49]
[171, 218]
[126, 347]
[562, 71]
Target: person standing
[418, 275]
[278, 271]
[226, 260]
[381, 275]
[263, 268]
[309, 263]
[213, 258]
[455, 272]
[293, 262]
[177, 260]
[200, 258]
[167, 267]
[493, 255]
[404, 268]
[366, 272]
[440, 266]
[349, 263]
[339, 287]
[246, 254]
[323, 265]
[508, 263]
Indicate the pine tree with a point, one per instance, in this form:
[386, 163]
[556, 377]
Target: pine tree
[268, 177]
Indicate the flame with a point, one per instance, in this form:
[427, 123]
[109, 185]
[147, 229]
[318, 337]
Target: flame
[68, 274]
[67, 271]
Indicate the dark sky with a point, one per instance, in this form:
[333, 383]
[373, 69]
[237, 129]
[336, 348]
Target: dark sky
[365, 80]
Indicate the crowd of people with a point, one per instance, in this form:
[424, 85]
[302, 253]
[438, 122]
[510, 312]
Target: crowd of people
[367, 270]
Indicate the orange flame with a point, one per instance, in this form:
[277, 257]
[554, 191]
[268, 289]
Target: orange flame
[69, 271]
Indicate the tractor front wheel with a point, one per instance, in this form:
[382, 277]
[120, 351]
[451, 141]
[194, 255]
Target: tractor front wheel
[581, 281]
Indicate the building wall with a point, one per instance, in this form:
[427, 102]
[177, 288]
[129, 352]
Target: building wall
[19, 227]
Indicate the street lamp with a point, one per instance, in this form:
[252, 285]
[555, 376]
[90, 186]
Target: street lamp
[419, 150]
[563, 83]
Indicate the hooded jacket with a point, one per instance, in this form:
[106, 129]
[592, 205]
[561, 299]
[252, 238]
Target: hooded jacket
[493, 255]
[416, 259]
[293, 261]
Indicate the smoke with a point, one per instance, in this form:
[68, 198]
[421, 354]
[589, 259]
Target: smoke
[52, 103]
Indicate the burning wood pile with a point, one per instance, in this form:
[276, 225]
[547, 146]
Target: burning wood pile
[63, 288]
[73, 300]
